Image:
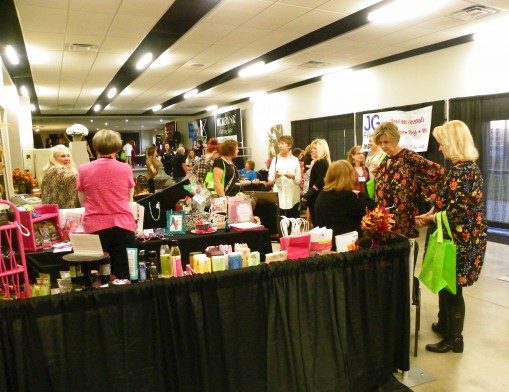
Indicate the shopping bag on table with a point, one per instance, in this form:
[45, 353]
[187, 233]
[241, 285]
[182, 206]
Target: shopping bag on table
[439, 266]
[296, 246]
[321, 241]
[295, 238]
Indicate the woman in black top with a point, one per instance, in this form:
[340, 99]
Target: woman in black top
[338, 206]
[226, 175]
[321, 157]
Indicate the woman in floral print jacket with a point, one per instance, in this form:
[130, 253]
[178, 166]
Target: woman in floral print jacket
[461, 196]
[402, 178]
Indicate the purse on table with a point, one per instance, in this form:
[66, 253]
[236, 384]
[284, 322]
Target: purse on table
[439, 266]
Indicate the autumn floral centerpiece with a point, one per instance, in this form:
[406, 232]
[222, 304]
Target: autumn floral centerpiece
[23, 181]
[377, 225]
[77, 131]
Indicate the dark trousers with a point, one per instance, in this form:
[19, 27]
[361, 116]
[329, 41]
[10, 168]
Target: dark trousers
[451, 313]
[115, 241]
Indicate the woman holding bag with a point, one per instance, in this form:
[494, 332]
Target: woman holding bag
[462, 199]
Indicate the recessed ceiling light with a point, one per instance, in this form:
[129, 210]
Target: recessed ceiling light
[97, 108]
[11, 55]
[92, 120]
[24, 91]
[156, 108]
[112, 92]
[144, 61]
[254, 69]
[126, 120]
[191, 93]
[105, 123]
[32, 107]
[143, 126]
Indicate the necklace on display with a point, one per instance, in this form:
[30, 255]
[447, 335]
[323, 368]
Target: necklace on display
[158, 210]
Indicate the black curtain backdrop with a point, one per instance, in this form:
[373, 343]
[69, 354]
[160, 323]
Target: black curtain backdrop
[333, 323]
[438, 117]
[337, 130]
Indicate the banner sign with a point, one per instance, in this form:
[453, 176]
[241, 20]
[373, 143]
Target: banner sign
[414, 127]
[229, 126]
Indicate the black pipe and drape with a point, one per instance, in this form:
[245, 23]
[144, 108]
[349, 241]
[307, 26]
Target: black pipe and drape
[332, 323]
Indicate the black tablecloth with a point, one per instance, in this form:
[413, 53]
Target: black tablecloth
[331, 323]
[52, 263]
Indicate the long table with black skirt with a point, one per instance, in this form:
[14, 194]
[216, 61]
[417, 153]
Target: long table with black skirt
[328, 323]
[259, 240]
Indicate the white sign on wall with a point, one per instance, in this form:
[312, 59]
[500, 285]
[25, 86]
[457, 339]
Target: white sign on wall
[414, 127]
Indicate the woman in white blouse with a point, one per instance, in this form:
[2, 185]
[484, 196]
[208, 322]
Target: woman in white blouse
[285, 173]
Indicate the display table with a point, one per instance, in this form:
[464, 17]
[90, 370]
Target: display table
[329, 323]
[51, 263]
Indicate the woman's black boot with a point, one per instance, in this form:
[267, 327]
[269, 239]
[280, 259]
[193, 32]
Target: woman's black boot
[454, 344]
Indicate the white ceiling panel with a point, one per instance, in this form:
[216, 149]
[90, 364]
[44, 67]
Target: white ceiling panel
[276, 16]
[42, 19]
[149, 8]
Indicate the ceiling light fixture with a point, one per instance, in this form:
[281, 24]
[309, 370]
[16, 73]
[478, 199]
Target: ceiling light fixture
[24, 91]
[144, 61]
[254, 69]
[32, 107]
[157, 108]
[191, 93]
[112, 92]
[97, 107]
[211, 108]
[404, 10]
[11, 55]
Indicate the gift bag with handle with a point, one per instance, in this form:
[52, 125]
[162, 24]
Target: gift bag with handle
[296, 238]
[439, 265]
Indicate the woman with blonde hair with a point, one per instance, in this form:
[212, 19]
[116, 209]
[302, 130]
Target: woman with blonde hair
[356, 158]
[402, 178]
[339, 206]
[153, 165]
[59, 179]
[461, 197]
[321, 161]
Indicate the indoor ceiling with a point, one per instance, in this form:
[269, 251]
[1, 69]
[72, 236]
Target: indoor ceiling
[78, 50]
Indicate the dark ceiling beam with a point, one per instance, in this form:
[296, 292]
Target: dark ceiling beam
[10, 34]
[332, 30]
[177, 21]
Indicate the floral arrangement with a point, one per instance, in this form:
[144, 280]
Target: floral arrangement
[26, 178]
[377, 224]
[77, 130]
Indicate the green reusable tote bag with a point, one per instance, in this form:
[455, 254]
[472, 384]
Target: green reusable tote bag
[439, 265]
